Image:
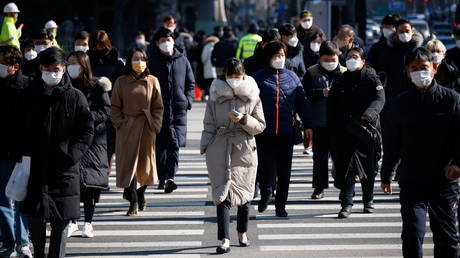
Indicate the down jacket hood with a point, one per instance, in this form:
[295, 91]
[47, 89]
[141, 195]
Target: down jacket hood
[104, 83]
[220, 90]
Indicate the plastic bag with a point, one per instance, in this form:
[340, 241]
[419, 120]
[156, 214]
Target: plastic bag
[16, 189]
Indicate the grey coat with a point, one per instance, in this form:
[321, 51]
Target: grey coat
[230, 148]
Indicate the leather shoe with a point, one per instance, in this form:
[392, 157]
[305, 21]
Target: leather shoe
[368, 207]
[263, 204]
[317, 194]
[281, 213]
[345, 212]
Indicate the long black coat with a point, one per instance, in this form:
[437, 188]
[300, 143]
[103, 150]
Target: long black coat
[94, 164]
[177, 83]
[353, 95]
[58, 130]
[11, 90]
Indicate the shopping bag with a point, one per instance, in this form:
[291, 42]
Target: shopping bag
[16, 189]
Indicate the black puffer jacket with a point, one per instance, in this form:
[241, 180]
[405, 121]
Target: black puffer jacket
[94, 165]
[58, 131]
[353, 95]
[106, 63]
[423, 133]
[10, 93]
[255, 62]
[294, 60]
[177, 83]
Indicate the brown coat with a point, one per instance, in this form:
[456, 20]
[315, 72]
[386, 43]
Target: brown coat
[231, 156]
[136, 128]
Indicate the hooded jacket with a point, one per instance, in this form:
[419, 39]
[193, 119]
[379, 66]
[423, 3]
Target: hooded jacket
[231, 156]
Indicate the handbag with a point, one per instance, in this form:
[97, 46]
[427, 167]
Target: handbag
[296, 124]
[16, 189]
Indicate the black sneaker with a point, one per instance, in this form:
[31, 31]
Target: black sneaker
[142, 206]
[263, 203]
[161, 185]
[281, 213]
[317, 194]
[170, 186]
[221, 249]
[368, 207]
[345, 212]
[133, 209]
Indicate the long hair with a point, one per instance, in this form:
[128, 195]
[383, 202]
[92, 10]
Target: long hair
[100, 39]
[87, 72]
[129, 66]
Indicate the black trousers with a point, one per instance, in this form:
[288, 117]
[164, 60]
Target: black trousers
[37, 227]
[134, 195]
[275, 163]
[348, 190]
[223, 219]
[440, 202]
[321, 153]
[167, 160]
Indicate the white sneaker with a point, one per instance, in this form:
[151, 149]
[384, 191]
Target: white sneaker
[72, 228]
[23, 251]
[87, 230]
[307, 151]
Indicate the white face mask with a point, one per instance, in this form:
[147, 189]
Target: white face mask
[387, 32]
[437, 57]
[278, 63]
[329, 66]
[31, 54]
[457, 42]
[166, 46]
[314, 46]
[172, 28]
[421, 79]
[140, 42]
[81, 48]
[306, 25]
[353, 64]
[405, 37]
[40, 48]
[3, 71]
[52, 78]
[234, 82]
[293, 42]
[74, 71]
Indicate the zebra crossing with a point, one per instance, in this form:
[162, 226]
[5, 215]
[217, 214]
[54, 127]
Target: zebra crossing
[183, 224]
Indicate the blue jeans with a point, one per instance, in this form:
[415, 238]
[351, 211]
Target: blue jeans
[13, 224]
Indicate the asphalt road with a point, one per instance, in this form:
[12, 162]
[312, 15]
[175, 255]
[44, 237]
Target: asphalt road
[183, 224]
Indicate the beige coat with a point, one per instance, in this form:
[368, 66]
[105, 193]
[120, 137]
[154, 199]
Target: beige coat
[136, 127]
[230, 148]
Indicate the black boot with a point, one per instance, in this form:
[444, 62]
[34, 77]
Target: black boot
[281, 212]
[133, 209]
[161, 185]
[345, 212]
[170, 186]
[263, 203]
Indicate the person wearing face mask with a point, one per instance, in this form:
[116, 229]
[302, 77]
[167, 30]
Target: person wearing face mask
[14, 226]
[311, 53]
[453, 54]
[377, 54]
[345, 40]
[177, 82]
[27, 47]
[10, 35]
[137, 114]
[257, 61]
[353, 107]
[81, 42]
[282, 98]
[448, 74]
[170, 23]
[233, 116]
[248, 42]
[209, 70]
[42, 40]
[56, 130]
[429, 165]
[306, 29]
[105, 61]
[294, 55]
[317, 84]
[94, 164]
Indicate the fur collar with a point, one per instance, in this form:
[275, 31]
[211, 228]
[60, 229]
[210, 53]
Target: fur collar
[416, 41]
[104, 83]
[220, 91]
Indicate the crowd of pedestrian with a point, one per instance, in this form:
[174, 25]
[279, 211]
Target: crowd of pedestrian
[76, 113]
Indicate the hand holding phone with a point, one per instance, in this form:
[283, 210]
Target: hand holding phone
[235, 116]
